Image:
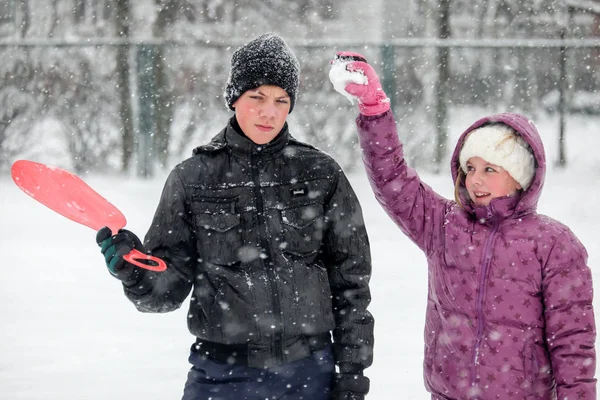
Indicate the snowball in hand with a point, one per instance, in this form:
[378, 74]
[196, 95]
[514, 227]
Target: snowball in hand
[340, 77]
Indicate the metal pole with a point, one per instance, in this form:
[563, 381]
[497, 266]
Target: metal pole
[389, 73]
[146, 111]
[442, 84]
[562, 87]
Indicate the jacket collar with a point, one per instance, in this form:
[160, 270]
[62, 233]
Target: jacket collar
[498, 209]
[241, 144]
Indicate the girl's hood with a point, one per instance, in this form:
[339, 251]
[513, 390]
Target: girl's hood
[528, 131]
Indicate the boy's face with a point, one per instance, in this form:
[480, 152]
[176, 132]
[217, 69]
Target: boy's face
[486, 181]
[261, 112]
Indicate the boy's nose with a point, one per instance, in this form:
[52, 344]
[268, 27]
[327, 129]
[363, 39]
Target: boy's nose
[269, 111]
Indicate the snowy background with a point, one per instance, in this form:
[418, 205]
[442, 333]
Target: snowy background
[69, 333]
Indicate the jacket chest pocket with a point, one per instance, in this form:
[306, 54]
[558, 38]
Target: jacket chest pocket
[302, 229]
[219, 233]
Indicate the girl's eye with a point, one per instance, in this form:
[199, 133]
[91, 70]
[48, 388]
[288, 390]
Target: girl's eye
[490, 169]
[470, 168]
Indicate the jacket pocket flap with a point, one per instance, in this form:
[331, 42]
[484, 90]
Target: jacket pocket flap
[218, 222]
[300, 217]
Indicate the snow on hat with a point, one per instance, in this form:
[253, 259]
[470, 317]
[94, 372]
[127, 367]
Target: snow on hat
[265, 60]
[499, 144]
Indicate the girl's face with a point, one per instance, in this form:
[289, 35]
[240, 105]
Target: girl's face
[261, 112]
[485, 181]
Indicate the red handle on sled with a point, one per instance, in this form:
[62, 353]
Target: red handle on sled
[68, 195]
[136, 257]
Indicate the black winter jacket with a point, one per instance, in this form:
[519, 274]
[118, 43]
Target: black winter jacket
[271, 241]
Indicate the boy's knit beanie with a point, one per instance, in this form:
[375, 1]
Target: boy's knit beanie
[499, 144]
[265, 60]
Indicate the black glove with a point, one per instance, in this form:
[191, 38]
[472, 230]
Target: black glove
[350, 384]
[347, 396]
[114, 247]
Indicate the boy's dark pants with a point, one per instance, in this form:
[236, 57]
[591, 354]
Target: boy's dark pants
[307, 379]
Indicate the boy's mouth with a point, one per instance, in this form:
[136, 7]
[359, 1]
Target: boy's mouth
[264, 128]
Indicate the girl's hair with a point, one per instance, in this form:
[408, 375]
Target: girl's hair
[458, 186]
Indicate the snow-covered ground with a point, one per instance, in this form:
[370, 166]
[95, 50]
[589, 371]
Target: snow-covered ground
[68, 332]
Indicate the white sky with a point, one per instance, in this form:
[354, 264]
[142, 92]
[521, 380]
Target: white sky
[68, 332]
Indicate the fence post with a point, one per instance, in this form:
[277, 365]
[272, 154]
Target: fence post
[388, 66]
[146, 112]
[562, 102]
[443, 78]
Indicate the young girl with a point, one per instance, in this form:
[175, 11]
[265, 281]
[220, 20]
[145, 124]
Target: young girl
[509, 305]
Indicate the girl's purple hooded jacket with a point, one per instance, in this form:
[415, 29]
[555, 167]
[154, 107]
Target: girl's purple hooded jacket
[509, 303]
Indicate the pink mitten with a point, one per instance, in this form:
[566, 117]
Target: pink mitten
[372, 100]
[371, 97]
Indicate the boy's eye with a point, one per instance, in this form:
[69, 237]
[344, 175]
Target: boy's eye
[283, 101]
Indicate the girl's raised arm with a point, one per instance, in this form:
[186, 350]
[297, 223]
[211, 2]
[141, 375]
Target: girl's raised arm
[412, 205]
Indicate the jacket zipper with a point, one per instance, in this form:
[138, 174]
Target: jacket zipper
[277, 340]
[487, 258]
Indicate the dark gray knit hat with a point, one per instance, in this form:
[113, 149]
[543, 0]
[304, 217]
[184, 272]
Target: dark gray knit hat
[266, 60]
